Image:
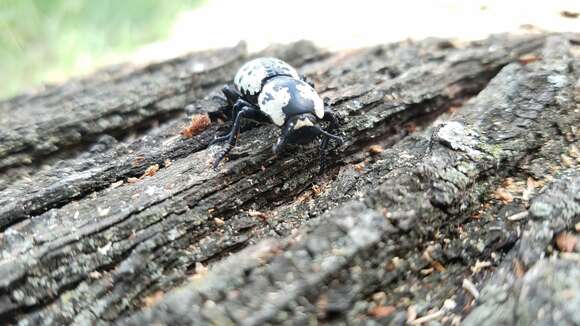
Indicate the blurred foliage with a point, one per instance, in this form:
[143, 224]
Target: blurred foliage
[51, 39]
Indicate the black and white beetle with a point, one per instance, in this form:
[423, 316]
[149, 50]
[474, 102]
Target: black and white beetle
[269, 90]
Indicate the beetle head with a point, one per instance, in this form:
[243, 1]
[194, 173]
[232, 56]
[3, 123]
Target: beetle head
[304, 128]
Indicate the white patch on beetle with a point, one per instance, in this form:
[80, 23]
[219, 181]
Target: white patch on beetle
[251, 75]
[308, 92]
[272, 101]
[303, 123]
[249, 78]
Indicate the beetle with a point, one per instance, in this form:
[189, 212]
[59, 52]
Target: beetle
[268, 90]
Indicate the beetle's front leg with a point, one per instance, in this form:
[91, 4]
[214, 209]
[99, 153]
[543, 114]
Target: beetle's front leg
[230, 93]
[280, 145]
[232, 96]
[242, 109]
[228, 100]
[332, 126]
[330, 118]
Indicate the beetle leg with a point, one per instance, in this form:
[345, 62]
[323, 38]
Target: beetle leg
[232, 95]
[280, 145]
[331, 118]
[243, 110]
[333, 125]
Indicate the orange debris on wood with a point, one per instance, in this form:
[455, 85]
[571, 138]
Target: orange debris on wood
[453, 109]
[151, 171]
[381, 311]
[502, 195]
[198, 123]
[519, 269]
[153, 298]
[438, 266]
[376, 149]
[566, 241]
[138, 160]
[359, 167]
[410, 127]
[528, 58]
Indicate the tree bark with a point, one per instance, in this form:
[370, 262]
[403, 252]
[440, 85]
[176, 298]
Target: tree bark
[454, 197]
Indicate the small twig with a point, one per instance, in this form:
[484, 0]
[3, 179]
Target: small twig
[448, 305]
[518, 216]
[471, 288]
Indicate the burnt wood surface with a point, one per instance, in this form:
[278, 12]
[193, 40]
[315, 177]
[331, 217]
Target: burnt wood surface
[455, 198]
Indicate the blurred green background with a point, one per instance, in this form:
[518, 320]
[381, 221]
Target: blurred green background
[52, 39]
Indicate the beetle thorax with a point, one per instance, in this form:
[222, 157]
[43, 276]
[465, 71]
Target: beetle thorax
[283, 97]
